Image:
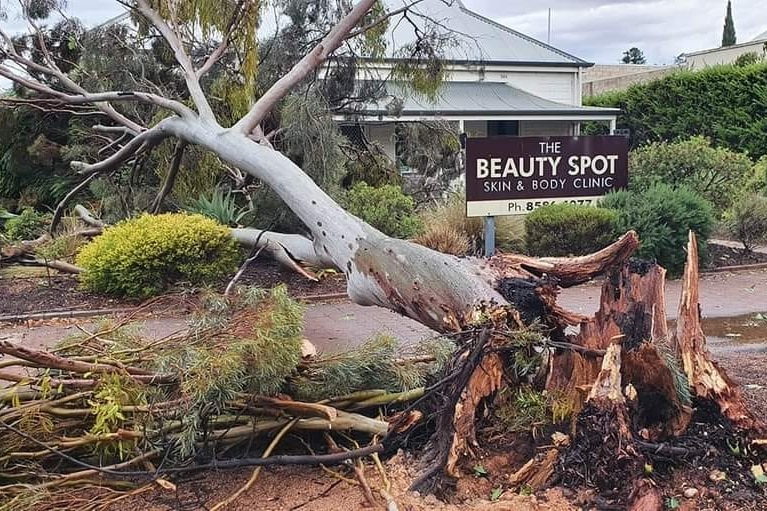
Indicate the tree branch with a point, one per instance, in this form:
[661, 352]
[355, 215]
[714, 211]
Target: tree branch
[99, 98]
[136, 146]
[170, 179]
[221, 48]
[306, 65]
[65, 80]
[190, 77]
[61, 205]
[87, 217]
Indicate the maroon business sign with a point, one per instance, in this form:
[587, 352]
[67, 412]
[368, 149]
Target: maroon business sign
[516, 175]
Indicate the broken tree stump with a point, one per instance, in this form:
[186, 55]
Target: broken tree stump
[706, 378]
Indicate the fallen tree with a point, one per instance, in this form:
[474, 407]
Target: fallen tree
[489, 307]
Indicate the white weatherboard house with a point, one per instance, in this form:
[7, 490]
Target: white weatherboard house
[500, 82]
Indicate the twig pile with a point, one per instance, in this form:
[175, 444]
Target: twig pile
[110, 403]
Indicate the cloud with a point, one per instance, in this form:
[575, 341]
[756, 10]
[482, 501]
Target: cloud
[595, 30]
[600, 30]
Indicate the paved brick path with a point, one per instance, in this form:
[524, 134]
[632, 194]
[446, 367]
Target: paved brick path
[334, 327]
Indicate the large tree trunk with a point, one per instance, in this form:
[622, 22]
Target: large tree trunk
[435, 289]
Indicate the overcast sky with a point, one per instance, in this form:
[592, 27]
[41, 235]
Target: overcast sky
[601, 30]
[595, 30]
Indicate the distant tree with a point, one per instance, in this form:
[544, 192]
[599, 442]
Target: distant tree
[634, 56]
[728, 35]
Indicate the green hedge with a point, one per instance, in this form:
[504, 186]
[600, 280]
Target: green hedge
[662, 216]
[568, 229]
[142, 256]
[717, 174]
[724, 103]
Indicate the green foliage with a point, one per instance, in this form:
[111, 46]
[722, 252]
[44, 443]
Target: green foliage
[142, 256]
[757, 181]
[114, 391]
[663, 216]
[633, 56]
[721, 103]
[420, 65]
[371, 166]
[379, 363]
[748, 59]
[386, 208]
[746, 220]
[313, 141]
[446, 227]
[263, 333]
[116, 199]
[568, 229]
[728, 32]
[26, 226]
[61, 248]
[717, 174]
[221, 206]
[523, 409]
[32, 169]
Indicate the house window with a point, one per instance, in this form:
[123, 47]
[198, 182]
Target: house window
[355, 134]
[498, 128]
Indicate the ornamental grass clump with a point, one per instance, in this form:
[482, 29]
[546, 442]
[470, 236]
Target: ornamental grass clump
[143, 256]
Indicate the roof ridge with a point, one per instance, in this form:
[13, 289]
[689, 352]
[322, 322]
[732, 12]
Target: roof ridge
[519, 34]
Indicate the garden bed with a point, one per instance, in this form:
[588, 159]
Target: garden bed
[720, 256]
[26, 290]
[33, 290]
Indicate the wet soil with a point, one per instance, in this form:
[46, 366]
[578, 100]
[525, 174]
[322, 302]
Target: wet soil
[745, 329]
[312, 489]
[721, 256]
[24, 292]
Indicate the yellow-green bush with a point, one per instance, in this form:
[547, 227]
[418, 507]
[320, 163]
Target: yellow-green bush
[142, 256]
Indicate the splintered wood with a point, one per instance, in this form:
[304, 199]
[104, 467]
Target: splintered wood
[705, 377]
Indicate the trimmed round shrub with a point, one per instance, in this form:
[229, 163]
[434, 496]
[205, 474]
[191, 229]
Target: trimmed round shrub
[142, 256]
[662, 217]
[568, 229]
[386, 208]
[28, 225]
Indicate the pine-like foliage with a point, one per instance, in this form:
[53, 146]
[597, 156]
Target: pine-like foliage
[377, 364]
[728, 33]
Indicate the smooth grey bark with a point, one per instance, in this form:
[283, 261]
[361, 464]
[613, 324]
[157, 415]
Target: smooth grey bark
[435, 289]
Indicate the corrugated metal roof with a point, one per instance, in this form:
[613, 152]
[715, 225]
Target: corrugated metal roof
[479, 39]
[474, 98]
[760, 37]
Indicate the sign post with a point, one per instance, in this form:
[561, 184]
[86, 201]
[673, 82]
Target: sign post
[489, 236]
[516, 175]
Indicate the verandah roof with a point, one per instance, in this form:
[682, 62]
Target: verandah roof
[472, 99]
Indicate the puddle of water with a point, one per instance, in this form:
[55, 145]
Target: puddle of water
[746, 329]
